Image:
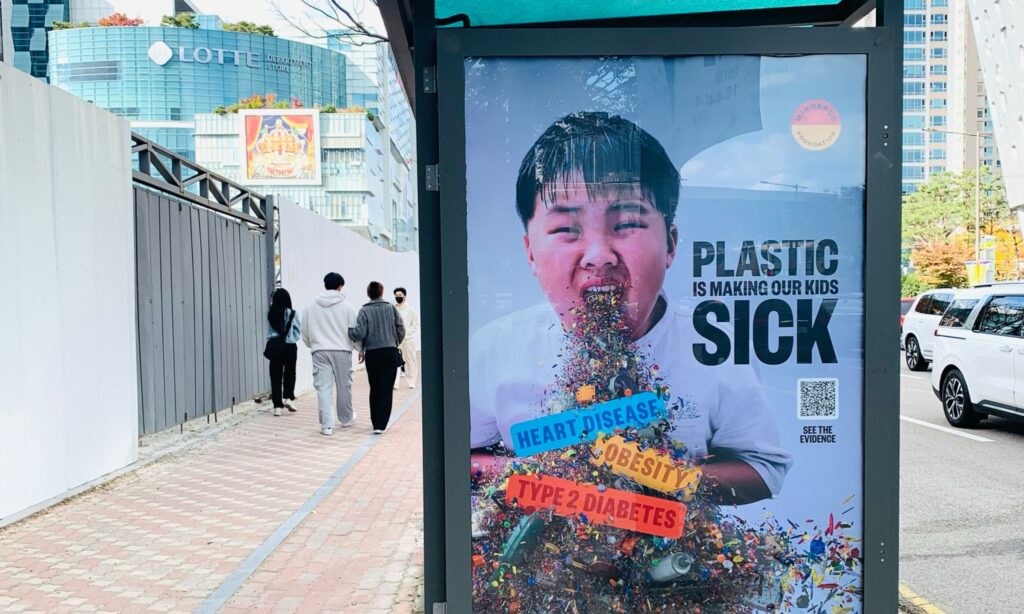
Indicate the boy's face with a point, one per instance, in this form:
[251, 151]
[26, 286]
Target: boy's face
[615, 242]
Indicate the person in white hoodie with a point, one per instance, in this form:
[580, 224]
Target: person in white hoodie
[325, 324]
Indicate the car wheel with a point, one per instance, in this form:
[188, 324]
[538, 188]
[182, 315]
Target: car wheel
[956, 401]
[915, 361]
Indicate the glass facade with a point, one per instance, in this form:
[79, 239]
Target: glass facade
[30, 21]
[354, 190]
[942, 91]
[160, 78]
[915, 108]
[373, 83]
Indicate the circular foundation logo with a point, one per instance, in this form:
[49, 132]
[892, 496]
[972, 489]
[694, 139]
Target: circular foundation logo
[816, 125]
[160, 53]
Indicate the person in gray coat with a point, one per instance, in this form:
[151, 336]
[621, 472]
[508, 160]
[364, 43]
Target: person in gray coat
[380, 330]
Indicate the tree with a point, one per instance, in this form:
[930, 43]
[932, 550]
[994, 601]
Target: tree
[350, 26]
[67, 25]
[119, 20]
[249, 28]
[943, 210]
[180, 20]
[912, 285]
[944, 206]
[941, 263]
[1009, 253]
[258, 101]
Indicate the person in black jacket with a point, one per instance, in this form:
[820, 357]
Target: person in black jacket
[380, 329]
[282, 364]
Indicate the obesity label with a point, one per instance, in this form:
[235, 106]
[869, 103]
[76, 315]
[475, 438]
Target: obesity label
[612, 507]
[647, 467]
[571, 427]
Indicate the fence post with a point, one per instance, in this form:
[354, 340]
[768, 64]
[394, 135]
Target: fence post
[269, 208]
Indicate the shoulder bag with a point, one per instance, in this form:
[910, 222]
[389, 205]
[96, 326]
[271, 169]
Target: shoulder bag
[276, 344]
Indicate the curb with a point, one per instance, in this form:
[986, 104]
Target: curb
[912, 603]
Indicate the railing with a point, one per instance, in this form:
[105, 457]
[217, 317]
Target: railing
[205, 269]
[161, 169]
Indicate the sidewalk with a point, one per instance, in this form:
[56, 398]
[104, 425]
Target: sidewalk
[265, 515]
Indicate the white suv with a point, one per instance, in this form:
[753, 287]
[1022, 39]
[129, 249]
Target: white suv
[979, 355]
[919, 327]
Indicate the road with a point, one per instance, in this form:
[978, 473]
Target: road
[961, 507]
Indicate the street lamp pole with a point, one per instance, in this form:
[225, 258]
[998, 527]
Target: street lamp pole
[977, 188]
[977, 205]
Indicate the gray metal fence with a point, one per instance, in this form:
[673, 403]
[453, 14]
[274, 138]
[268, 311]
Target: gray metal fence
[203, 276]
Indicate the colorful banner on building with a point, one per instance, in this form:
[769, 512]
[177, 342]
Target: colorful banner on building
[666, 291]
[282, 147]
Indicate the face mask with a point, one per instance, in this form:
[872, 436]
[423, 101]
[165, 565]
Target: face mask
[399, 299]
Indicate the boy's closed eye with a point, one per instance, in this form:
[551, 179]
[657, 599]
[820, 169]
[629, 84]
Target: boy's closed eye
[629, 224]
[563, 230]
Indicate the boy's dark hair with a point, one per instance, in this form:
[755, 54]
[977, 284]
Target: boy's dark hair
[612, 154]
[333, 281]
[375, 290]
[400, 289]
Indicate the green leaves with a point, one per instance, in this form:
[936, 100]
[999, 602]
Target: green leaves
[249, 28]
[180, 20]
[944, 207]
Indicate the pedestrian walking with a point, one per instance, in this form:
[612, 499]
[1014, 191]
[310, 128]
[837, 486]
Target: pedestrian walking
[409, 347]
[283, 330]
[325, 325]
[380, 330]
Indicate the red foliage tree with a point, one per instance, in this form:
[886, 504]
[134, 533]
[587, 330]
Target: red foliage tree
[119, 20]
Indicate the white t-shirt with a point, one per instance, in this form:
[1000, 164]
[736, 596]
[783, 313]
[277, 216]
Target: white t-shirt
[721, 409]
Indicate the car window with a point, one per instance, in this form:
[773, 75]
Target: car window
[957, 312]
[939, 303]
[905, 307]
[924, 305]
[1004, 315]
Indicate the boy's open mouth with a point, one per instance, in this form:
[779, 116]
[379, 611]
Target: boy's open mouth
[593, 287]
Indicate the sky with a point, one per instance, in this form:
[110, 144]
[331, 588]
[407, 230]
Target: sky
[265, 12]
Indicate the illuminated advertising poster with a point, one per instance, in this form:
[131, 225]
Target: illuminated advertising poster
[282, 147]
[665, 260]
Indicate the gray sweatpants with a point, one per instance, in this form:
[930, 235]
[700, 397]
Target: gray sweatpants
[333, 369]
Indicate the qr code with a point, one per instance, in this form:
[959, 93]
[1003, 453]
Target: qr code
[818, 399]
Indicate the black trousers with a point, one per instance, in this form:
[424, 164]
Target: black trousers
[282, 375]
[381, 371]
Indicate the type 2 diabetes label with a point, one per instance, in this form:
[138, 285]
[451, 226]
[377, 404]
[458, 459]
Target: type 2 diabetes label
[611, 507]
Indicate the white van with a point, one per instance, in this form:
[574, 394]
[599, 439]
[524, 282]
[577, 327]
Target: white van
[978, 355]
[919, 326]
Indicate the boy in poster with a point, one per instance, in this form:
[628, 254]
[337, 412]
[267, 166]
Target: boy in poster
[597, 196]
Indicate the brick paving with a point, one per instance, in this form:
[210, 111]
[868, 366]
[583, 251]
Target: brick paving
[165, 537]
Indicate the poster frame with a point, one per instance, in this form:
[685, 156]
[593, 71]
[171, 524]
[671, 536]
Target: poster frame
[882, 48]
[317, 153]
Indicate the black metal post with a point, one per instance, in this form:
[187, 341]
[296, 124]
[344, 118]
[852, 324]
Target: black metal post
[425, 57]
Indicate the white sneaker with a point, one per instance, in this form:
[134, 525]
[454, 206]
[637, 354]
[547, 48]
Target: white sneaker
[277, 411]
[412, 385]
[291, 406]
[378, 432]
[345, 425]
[326, 431]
